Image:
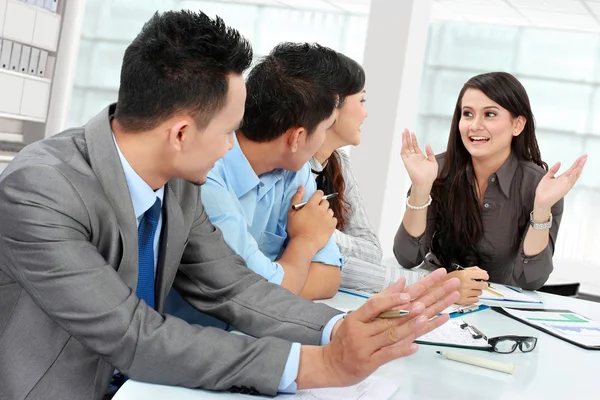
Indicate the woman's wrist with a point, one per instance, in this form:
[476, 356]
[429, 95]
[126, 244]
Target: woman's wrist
[419, 195]
[541, 212]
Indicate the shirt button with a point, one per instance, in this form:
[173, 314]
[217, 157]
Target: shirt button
[487, 205]
[493, 179]
[525, 261]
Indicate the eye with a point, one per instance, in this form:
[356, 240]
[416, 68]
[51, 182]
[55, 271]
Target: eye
[363, 100]
[467, 114]
[490, 114]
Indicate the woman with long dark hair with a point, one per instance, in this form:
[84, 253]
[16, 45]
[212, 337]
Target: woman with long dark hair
[488, 208]
[331, 167]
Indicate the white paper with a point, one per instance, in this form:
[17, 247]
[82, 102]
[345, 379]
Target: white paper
[452, 334]
[372, 388]
[566, 324]
[508, 295]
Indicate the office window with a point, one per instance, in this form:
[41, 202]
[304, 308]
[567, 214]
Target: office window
[110, 25]
[561, 72]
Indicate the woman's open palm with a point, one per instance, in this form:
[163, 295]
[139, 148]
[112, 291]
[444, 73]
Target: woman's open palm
[553, 188]
[422, 169]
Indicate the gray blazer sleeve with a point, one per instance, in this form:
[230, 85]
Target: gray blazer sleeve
[45, 242]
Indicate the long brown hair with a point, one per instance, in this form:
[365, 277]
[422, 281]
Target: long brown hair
[331, 180]
[459, 227]
[351, 80]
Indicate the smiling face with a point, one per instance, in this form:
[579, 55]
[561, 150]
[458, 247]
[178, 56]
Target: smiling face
[486, 128]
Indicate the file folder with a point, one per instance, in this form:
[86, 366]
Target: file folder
[33, 61]
[5, 53]
[25, 56]
[41, 69]
[15, 57]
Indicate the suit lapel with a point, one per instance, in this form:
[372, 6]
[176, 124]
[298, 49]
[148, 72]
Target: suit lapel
[172, 241]
[106, 164]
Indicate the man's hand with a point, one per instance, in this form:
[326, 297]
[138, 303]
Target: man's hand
[362, 342]
[473, 281]
[313, 223]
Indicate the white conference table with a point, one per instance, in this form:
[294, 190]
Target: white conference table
[554, 370]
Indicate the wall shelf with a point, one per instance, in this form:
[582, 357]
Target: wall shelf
[26, 76]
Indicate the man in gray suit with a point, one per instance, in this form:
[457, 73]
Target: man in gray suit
[98, 222]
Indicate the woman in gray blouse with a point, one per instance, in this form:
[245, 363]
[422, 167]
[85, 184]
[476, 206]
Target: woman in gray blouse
[331, 167]
[489, 204]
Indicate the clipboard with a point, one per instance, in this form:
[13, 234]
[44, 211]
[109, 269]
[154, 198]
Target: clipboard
[565, 325]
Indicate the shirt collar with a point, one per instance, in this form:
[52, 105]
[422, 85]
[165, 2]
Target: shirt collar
[316, 167]
[241, 175]
[142, 195]
[504, 174]
[239, 171]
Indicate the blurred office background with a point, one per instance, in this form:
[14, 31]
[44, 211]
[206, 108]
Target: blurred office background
[552, 46]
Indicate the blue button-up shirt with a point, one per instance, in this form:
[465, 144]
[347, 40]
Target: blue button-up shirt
[252, 211]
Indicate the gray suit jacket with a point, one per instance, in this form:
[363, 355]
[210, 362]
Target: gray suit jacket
[68, 271]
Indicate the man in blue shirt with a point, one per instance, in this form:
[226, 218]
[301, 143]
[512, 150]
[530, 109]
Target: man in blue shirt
[248, 195]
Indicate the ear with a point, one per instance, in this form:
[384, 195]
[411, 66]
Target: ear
[178, 134]
[519, 125]
[294, 135]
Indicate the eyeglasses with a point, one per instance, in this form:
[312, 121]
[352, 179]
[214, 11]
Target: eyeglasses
[508, 344]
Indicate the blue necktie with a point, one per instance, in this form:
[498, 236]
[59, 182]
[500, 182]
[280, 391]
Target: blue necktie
[146, 231]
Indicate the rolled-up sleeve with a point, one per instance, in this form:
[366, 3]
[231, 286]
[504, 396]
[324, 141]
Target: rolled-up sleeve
[530, 273]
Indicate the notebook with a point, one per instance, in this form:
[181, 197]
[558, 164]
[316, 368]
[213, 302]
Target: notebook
[452, 335]
[563, 324]
[508, 294]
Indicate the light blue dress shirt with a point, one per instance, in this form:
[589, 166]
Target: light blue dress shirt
[252, 211]
[142, 198]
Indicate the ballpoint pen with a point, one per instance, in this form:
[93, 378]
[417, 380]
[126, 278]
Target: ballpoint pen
[490, 288]
[298, 206]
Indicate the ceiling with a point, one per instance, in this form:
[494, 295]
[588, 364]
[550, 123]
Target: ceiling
[562, 14]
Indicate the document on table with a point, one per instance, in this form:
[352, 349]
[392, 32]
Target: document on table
[452, 334]
[372, 388]
[508, 294]
[564, 324]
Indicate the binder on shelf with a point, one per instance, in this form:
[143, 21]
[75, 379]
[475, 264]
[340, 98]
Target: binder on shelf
[41, 68]
[25, 56]
[50, 67]
[15, 57]
[5, 53]
[33, 61]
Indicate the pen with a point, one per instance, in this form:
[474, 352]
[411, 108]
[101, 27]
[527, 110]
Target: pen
[478, 361]
[393, 314]
[491, 290]
[298, 206]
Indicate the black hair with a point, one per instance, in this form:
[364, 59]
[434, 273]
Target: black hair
[179, 62]
[291, 87]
